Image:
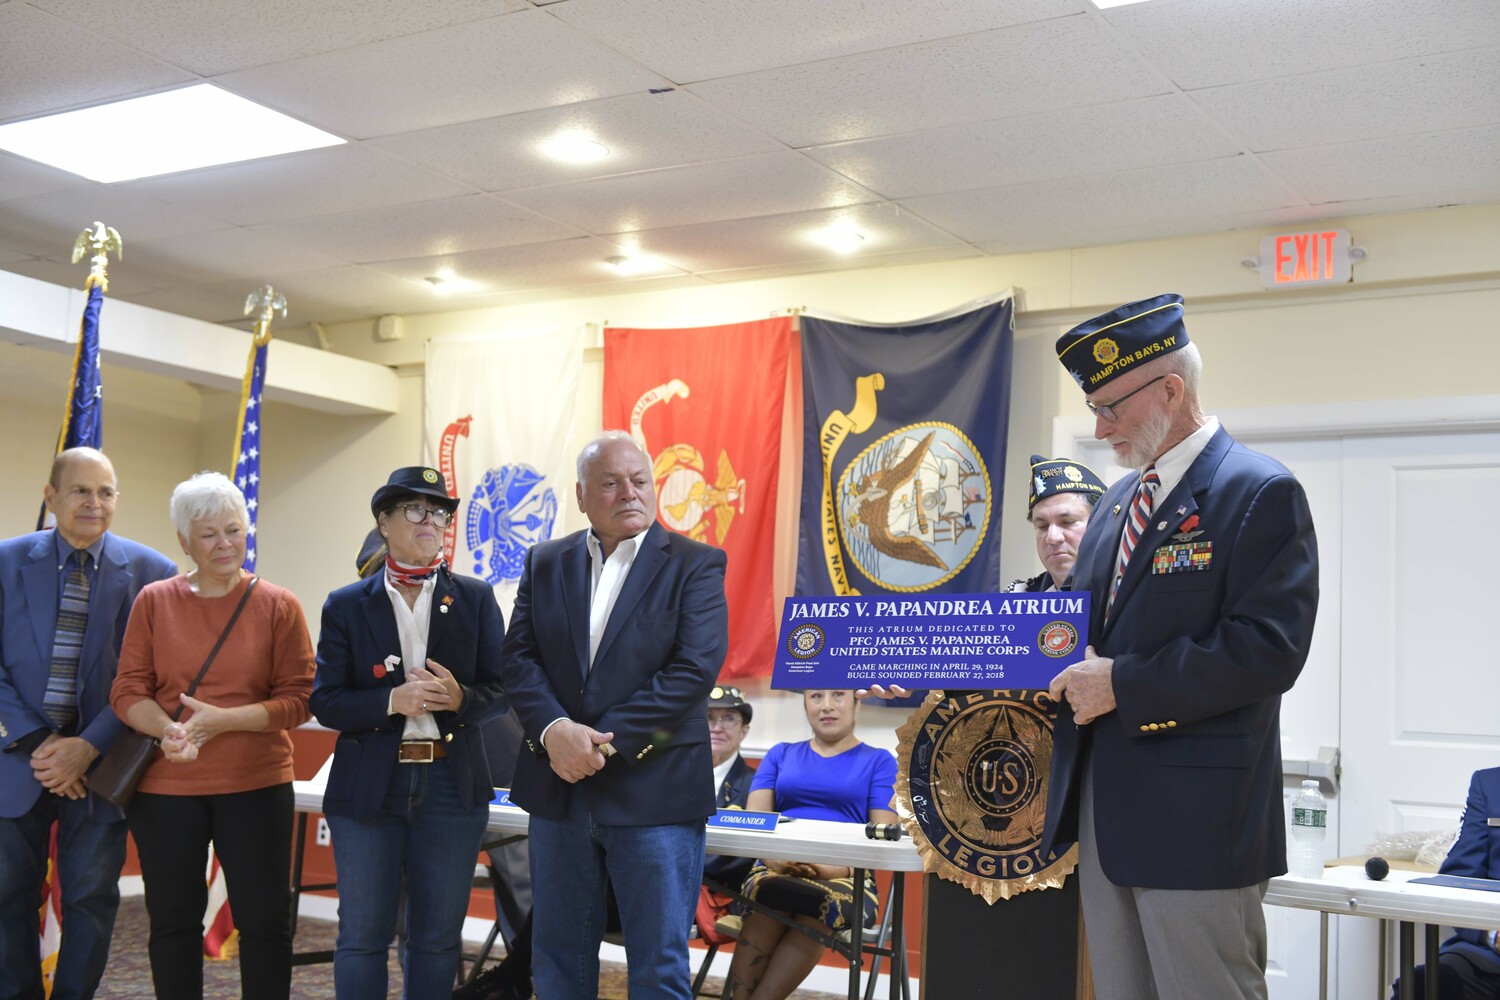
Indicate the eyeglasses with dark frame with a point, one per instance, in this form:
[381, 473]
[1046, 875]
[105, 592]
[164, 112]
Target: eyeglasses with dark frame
[1106, 411]
[416, 513]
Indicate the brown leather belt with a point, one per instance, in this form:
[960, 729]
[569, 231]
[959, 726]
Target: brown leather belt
[421, 751]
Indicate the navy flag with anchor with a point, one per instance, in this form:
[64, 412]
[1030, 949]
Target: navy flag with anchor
[904, 452]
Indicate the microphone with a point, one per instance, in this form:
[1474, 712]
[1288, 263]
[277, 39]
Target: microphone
[1377, 868]
[883, 831]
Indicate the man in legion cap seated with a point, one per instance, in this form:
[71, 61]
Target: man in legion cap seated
[1202, 568]
[1063, 494]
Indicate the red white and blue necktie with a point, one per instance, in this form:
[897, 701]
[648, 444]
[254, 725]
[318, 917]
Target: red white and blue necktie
[1135, 526]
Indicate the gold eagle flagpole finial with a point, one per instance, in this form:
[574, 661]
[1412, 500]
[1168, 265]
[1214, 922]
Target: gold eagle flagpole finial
[266, 302]
[101, 239]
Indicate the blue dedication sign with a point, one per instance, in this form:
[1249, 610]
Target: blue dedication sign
[953, 641]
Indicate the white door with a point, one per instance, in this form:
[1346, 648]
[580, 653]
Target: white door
[1421, 693]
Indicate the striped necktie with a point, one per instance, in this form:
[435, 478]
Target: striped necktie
[1135, 526]
[61, 699]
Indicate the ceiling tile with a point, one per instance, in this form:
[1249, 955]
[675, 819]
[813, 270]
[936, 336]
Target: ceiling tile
[49, 64]
[222, 255]
[20, 177]
[699, 39]
[789, 238]
[59, 271]
[958, 251]
[315, 182]
[1464, 158]
[424, 229]
[1202, 44]
[47, 225]
[641, 131]
[1111, 137]
[538, 265]
[999, 74]
[211, 37]
[753, 185]
[1425, 94]
[493, 67]
[1001, 215]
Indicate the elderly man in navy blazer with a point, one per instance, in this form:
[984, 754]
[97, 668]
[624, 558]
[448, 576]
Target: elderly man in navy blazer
[617, 635]
[1203, 571]
[65, 595]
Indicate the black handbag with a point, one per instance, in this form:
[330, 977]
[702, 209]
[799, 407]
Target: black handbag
[122, 766]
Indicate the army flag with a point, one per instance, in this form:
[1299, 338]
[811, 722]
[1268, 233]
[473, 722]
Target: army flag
[706, 404]
[903, 435]
[500, 428]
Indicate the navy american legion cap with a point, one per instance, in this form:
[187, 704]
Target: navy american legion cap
[416, 479]
[1051, 476]
[1106, 347]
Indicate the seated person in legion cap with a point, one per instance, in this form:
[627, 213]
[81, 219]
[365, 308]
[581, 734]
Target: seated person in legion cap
[729, 717]
[1063, 494]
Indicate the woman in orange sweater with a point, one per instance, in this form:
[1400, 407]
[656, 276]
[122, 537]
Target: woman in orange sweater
[226, 771]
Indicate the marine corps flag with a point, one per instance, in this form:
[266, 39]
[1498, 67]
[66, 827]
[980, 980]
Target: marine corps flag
[706, 404]
[904, 428]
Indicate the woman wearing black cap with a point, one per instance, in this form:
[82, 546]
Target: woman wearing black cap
[408, 666]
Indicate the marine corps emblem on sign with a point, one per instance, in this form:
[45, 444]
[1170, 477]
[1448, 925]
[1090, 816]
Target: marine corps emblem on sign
[1057, 639]
[972, 790]
[806, 641]
[1106, 350]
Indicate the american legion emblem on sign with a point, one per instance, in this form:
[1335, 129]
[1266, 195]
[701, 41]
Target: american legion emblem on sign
[973, 790]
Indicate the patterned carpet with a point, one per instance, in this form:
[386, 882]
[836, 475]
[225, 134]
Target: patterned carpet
[128, 976]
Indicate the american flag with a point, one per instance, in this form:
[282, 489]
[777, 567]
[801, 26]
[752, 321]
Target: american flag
[247, 449]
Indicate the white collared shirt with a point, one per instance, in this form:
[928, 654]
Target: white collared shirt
[411, 626]
[721, 774]
[607, 579]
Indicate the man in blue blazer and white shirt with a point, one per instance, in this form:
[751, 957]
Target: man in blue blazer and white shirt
[615, 641]
[1203, 571]
[49, 743]
[1469, 964]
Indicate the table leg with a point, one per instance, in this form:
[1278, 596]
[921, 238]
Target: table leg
[1431, 970]
[1407, 947]
[857, 934]
[1382, 958]
[1322, 955]
[898, 945]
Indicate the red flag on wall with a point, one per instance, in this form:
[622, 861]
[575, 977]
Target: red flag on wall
[706, 404]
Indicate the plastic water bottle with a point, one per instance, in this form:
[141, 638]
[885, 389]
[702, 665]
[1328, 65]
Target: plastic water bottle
[1309, 827]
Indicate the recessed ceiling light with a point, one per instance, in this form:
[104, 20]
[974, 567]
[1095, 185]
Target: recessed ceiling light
[1106, 4]
[634, 264]
[447, 283]
[840, 240]
[197, 126]
[571, 147]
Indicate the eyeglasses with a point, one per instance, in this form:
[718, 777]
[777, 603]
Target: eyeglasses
[1106, 411]
[731, 720]
[416, 513]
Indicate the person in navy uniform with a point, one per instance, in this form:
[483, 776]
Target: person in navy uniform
[408, 671]
[1062, 496]
[616, 639]
[1468, 962]
[49, 743]
[1203, 572]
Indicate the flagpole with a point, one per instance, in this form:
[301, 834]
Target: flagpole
[82, 422]
[264, 303]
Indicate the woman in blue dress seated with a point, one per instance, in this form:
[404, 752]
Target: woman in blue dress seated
[832, 776]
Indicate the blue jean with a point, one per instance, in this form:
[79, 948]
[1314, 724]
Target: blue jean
[89, 858]
[426, 832]
[655, 872]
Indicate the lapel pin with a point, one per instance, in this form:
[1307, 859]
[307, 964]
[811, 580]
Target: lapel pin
[1181, 510]
[378, 670]
[1161, 525]
[444, 609]
[1116, 511]
[447, 600]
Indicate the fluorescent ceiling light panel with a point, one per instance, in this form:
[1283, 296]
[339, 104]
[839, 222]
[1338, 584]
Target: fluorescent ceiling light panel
[1106, 4]
[197, 126]
[572, 147]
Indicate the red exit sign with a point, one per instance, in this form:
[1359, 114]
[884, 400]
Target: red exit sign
[1296, 260]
